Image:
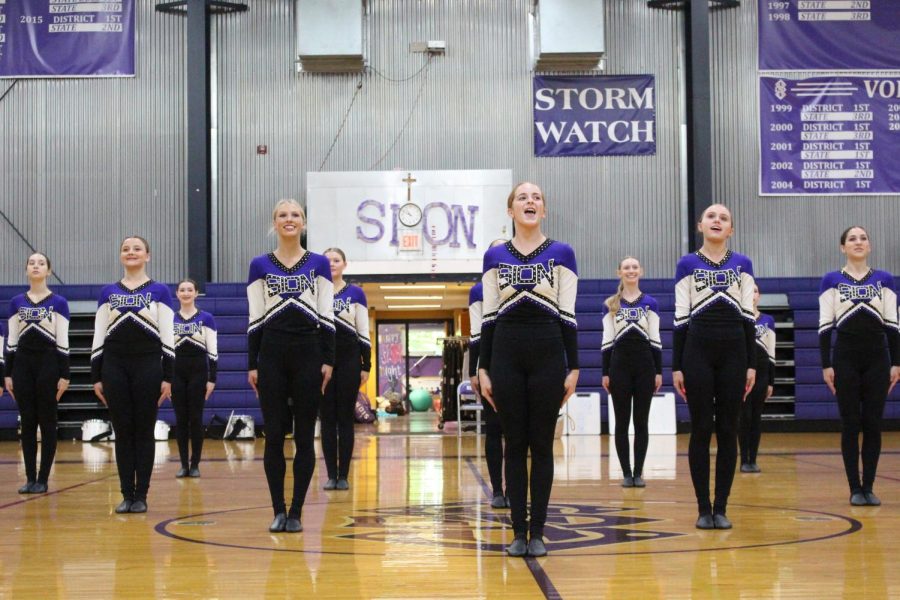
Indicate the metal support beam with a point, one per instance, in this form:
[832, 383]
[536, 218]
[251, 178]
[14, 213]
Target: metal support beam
[699, 115]
[198, 147]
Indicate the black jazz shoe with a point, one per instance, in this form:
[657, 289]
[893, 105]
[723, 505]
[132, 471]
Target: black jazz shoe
[721, 521]
[279, 523]
[871, 499]
[705, 521]
[292, 525]
[536, 547]
[124, 506]
[518, 548]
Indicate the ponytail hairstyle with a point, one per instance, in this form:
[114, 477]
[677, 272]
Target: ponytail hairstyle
[614, 302]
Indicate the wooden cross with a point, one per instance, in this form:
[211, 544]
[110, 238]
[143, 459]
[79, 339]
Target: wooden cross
[409, 181]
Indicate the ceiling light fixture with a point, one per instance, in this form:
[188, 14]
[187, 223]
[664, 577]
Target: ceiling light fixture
[408, 306]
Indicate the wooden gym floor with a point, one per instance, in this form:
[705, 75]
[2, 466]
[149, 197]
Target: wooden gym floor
[416, 524]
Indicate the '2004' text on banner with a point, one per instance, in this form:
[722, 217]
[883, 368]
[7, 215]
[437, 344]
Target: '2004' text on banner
[829, 135]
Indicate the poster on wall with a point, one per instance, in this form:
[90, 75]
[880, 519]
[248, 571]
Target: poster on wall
[829, 35]
[66, 38]
[392, 358]
[594, 115]
[829, 135]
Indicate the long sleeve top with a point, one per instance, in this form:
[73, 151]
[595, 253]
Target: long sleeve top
[197, 336]
[38, 326]
[716, 299]
[134, 321]
[538, 288]
[351, 319]
[863, 308]
[476, 309]
[765, 343]
[295, 301]
[634, 321]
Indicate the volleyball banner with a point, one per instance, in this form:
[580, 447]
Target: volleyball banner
[829, 135]
[829, 35]
[597, 115]
[66, 38]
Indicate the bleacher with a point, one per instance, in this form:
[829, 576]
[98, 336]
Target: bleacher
[800, 393]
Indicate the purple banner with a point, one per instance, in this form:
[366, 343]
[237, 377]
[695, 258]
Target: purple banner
[598, 115]
[66, 38]
[828, 35]
[829, 136]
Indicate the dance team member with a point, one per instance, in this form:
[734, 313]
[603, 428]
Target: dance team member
[860, 303]
[632, 364]
[528, 343]
[291, 354]
[493, 432]
[196, 360]
[37, 367]
[131, 366]
[352, 363]
[751, 410]
[713, 342]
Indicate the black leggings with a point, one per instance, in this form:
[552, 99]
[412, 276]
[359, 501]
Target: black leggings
[493, 447]
[338, 407]
[632, 376]
[715, 373]
[131, 385]
[290, 383]
[751, 413]
[188, 397]
[528, 371]
[862, 373]
[35, 376]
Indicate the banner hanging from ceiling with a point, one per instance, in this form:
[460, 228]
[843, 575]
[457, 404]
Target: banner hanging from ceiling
[66, 38]
[597, 115]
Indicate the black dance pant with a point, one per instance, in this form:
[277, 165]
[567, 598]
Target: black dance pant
[528, 371]
[188, 397]
[35, 377]
[493, 447]
[131, 384]
[632, 378]
[338, 409]
[751, 414]
[290, 392]
[715, 373]
[862, 373]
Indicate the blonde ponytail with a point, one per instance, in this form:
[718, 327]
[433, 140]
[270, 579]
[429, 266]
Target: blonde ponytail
[614, 302]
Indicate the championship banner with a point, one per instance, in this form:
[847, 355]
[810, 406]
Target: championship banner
[66, 38]
[829, 35]
[829, 136]
[597, 115]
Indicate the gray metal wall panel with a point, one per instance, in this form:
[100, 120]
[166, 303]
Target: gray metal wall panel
[85, 161]
[785, 236]
[474, 113]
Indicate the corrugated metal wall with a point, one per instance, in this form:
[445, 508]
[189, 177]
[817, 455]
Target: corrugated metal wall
[474, 113]
[785, 236]
[85, 161]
